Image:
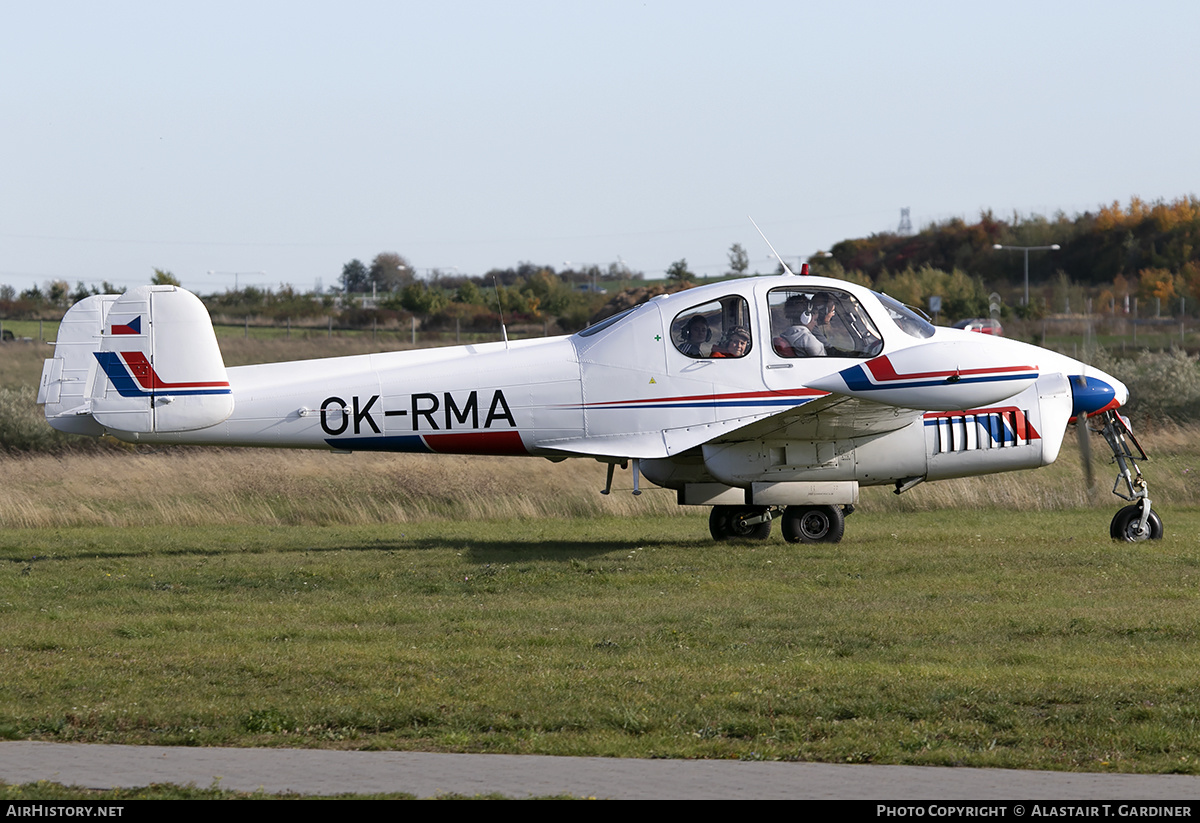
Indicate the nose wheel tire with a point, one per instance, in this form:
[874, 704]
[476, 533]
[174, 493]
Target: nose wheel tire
[1126, 526]
[729, 523]
[813, 524]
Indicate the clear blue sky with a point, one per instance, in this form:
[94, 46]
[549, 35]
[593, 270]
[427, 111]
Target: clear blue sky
[291, 137]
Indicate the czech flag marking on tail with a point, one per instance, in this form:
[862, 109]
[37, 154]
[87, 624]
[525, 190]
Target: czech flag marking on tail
[134, 326]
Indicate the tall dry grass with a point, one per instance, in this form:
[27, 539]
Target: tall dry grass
[197, 487]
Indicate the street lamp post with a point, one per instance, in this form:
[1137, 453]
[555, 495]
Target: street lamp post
[235, 275]
[1027, 250]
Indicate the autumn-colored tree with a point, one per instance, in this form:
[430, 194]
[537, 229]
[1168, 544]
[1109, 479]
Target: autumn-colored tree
[1106, 302]
[1156, 283]
[1122, 287]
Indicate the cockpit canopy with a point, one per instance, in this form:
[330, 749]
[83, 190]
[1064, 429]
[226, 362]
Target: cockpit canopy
[801, 317]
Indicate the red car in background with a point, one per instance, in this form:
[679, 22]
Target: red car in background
[982, 325]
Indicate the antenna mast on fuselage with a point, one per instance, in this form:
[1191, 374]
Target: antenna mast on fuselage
[803, 267]
[500, 310]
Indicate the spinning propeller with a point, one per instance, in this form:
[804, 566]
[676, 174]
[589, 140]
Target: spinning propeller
[1089, 395]
[1085, 449]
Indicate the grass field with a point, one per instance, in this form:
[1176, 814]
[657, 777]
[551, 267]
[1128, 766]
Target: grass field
[260, 598]
[242, 598]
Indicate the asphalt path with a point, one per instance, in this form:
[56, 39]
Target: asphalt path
[312, 771]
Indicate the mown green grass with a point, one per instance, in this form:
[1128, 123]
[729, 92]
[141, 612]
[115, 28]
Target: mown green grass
[35, 330]
[976, 638]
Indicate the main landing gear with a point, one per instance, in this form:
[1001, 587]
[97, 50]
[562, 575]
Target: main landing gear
[801, 524]
[741, 522]
[814, 524]
[1138, 521]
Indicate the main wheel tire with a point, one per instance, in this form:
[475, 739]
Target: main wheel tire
[728, 523]
[1126, 522]
[813, 524]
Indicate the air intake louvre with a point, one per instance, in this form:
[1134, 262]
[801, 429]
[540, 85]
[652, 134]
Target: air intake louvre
[969, 431]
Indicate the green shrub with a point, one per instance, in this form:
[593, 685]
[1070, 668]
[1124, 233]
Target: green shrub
[23, 426]
[1162, 385]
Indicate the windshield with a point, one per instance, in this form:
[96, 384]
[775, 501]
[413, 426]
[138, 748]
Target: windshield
[606, 322]
[908, 320]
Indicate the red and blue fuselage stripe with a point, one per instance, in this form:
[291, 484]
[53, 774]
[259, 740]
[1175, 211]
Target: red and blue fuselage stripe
[879, 376]
[502, 442]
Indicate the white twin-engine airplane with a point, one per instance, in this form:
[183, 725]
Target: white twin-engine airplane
[765, 398]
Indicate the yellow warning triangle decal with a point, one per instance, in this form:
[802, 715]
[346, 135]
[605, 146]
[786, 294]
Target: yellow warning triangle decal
[651, 379]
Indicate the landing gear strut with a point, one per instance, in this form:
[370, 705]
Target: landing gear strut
[1138, 521]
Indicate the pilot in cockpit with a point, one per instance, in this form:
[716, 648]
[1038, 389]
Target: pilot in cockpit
[799, 336]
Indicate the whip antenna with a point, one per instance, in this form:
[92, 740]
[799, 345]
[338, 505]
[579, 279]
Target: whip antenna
[500, 310]
[772, 248]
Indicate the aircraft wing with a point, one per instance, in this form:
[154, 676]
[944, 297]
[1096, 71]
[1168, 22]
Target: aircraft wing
[827, 417]
[831, 417]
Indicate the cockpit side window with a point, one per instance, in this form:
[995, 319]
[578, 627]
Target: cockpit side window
[807, 322]
[720, 328]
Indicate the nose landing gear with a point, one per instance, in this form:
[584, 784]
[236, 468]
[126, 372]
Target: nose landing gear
[1138, 521]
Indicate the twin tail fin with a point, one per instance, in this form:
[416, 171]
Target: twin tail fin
[143, 362]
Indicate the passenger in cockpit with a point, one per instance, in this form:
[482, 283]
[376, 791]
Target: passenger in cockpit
[735, 343]
[696, 331]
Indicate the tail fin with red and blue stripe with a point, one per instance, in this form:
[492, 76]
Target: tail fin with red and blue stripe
[146, 361]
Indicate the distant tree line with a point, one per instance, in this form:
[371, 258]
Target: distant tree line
[526, 293]
[1148, 251]
[1144, 252]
